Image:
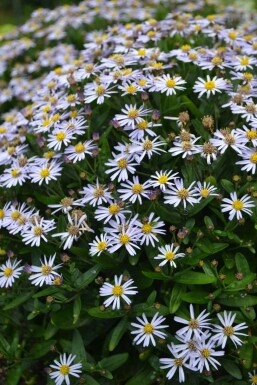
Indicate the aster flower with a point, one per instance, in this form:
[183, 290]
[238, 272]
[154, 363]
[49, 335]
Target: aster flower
[134, 190]
[117, 292]
[253, 377]
[114, 210]
[77, 152]
[163, 179]
[9, 271]
[98, 92]
[209, 86]
[147, 330]
[205, 189]
[168, 254]
[166, 84]
[95, 194]
[36, 231]
[205, 354]
[46, 273]
[64, 369]
[45, 172]
[249, 161]
[120, 166]
[178, 193]
[174, 363]
[131, 115]
[226, 138]
[236, 206]
[195, 326]
[99, 245]
[149, 229]
[227, 331]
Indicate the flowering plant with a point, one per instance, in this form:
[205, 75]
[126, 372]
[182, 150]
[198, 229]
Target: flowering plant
[128, 158]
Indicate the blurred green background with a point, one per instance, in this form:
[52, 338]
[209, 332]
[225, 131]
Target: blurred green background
[16, 12]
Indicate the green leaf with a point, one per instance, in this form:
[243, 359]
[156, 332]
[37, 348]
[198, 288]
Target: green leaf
[77, 346]
[113, 362]
[18, 300]
[236, 300]
[227, 185]
[242, 264]
[15, 373]
[232, 369]
[211, 247]
[156, 276]
[47, 200]
[88, 277]
[4, 345]
[176, 297]
[246, 355]
[90, 380]
[192, 211]
[107, 313]
[41, 349]
[240, 285]
[193, 278]
[76, 309]
[117, 333]
[144, 376]
[200, 297]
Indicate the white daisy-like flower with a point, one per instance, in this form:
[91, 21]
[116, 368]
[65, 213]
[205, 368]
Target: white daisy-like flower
[168, 254]
[76, 227]
[131, 115]
[128, 236]
[77, 152]
[249, 161]
[95, 194]
[58, 138]
[248, 133]
[45, 172]
[174, 363]
[205, 354]
[35, 232]
[178, 193]
[99, 245]
[9, 271]
[168, 85]
[46, 273]
[149, 229]
[227, 331]
[134, 190]
[209, 86]
[115, 210]
[117, 292]
[236, 206]
[253, 377]
[14, 176]
[66, 204]
[242, 63]
[209, 152]
[205, 189]
[226, 138]
[98, 92]
[163, 179]
[186, 147]
[147, 330]
[64, 369]
[120, 167]
[195, 325]
[147, 147]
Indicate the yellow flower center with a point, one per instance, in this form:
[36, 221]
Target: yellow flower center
[142, 82]
[205, 353]
[3, 130]
[44, 173]
[205, 192]
[98, 192]
[254, 379]
[60, 136]
[79, 148]
[186, 48]
[137, 188]
[64, 369]
[8, 271]
[71, 98]
[237, 205]
[89, 68]
[186, 145]
[141, 51]
[11, 150]
[183, 193]
[147, 228]
[38, 231]
[247, 76]
[217, 61]
[122, 163]
[232, 35]
[15, 215]
[148, 328]
[133, 113]
[124, 239]
[48, 154]
[251, 134]
[117, 291]
[101, 245]
[100, 90]
[15, 172]
[178, 362]
[163, 179]
[142, 125]
[170, 83]
[2, 214]
[210, 85]
[131, 89]
[46, 270]
[157, 65]
[73, 230]
[228, 331]
[193, 324]
[244, 61]
[169, 255]
[66, 202]
[148, 145]
[114, 209]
